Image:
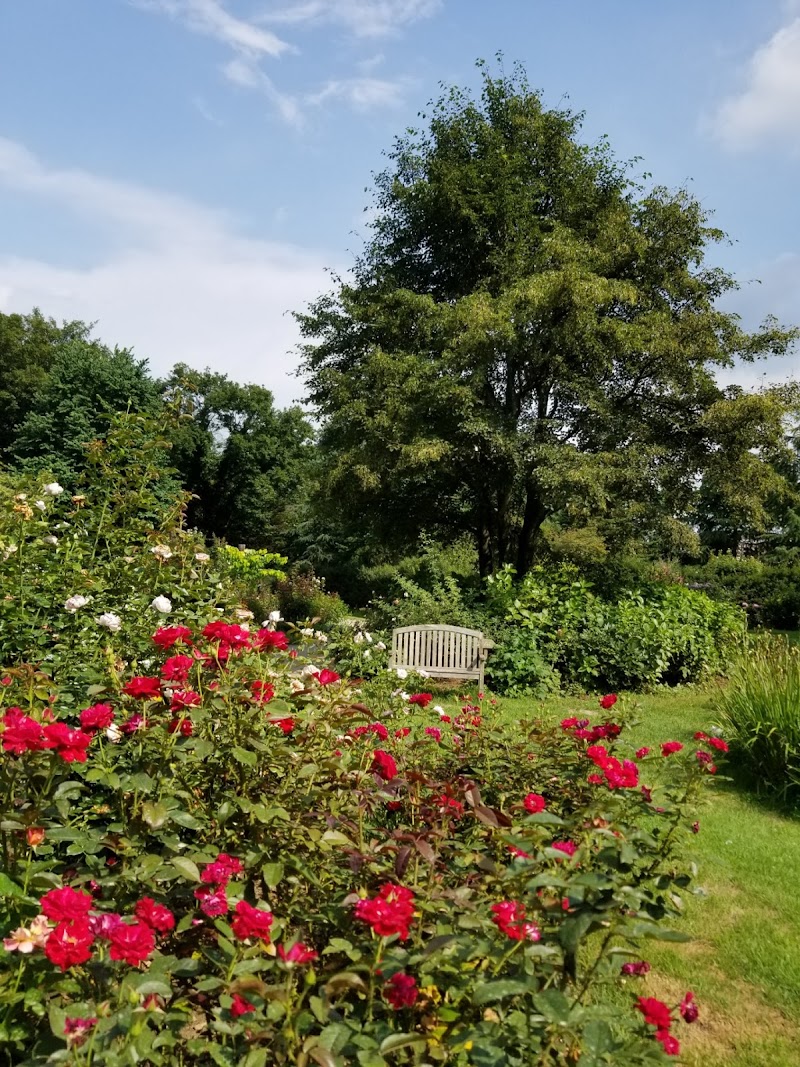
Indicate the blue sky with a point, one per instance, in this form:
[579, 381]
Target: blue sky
[185, 172]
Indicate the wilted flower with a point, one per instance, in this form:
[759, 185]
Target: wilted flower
[162, 604]
[202, 557]
[73, 603]
[110, 621]
[114, 734]
[243, 613]
[162, 552]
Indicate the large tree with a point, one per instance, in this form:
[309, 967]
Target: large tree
[529, 332]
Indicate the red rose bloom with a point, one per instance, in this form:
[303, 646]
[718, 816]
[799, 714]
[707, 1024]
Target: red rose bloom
[167, 636]
[390, 912]
[509, 917]
[718, 744]
[384, 765]
[240, 1006]
[287, 724]
[636, 969]
[404, 731]
[70, 944]
[143, 688]
[66, 904]
[185, 698]
[534, 803]
[642, 752]
[176, 668]
[251, 922]
[221, 870]
[569, 724]
[132, 943]
[298, 953]
[688, 1009]
[229, 634]
[569, 848]
[271, 641]
[213, 900]
[670, 1044]
[156, 916]
[669, 747]
[69, 744]
[608, 701]
[22, 733]
[434, 732]
[656, 1013]
[262, 692]
[75, 1030]
[401, 991]
[423, 699]
[97, 717]
[326, 677]
[183, 725]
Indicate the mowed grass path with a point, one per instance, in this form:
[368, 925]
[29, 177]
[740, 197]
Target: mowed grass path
[743, 962]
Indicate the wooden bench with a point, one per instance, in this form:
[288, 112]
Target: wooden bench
[440, 651]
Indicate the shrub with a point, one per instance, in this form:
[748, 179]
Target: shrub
[760, 709]
[229, 861]
[302, 595]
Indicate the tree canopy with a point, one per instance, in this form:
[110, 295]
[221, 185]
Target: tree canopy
[531, 333]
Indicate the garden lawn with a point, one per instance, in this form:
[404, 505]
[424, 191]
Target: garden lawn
[743, 962]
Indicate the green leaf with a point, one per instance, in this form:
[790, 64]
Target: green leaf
[490, 992]
[397, 1041]
[553, 1005]
[186, 868]
[9, 888]
[155, 815]
[242, 755]
[272, 873]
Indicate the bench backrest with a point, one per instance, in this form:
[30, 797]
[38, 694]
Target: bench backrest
[447, 651]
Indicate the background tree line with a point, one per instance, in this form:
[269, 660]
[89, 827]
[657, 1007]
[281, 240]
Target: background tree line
[520, 367]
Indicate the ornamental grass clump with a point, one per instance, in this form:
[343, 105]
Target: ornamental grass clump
[759, 712]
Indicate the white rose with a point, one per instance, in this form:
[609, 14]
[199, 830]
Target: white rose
[438, 709]
[114, 734]
[162, 604]
[321, 637]
[401, 673]
[162, 552]
[111, 621]
[368, 653]
[307, 632]
[243, 613]
[202, 557]
[310, 670]
[368, 637]
[53, 489]
[50, 540]
[380, 646]
[358, 639]
[74, 602]
[274, 616]
[296, 685]
[40, 504]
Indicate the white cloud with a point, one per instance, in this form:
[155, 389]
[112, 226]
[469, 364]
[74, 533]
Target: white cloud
[246, 74]
[209, 17]
[364, 18]
[768, 107]
[178, 284]
[362, 93]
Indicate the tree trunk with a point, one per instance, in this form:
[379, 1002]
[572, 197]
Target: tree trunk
[535, 514]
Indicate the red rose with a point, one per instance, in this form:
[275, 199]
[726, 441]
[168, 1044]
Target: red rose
[434, 732]
[66, 904]
[642, 752]
[656, 1013]
[401, 991]
[176, 668]
[97, 717]
[670, 1044]
[287, 724]
[263, 692]
[132, 943]
[718, 743]
[156, 916]
[390, 912]
[185, 698]
[636, 969]
[423, 699]
[213, 901]
[509, 917]
[250, 922]
[569, 848]
[608, 701]
[70, 944]
[271, 641]
[183, 725]
[384, 765]
[143, 688]
[404, 731]
[534, 803]
[22, 733]
[240, 1006]
[326, 677]
[167, 636]
[221, 870]
[669, 747]
[688, 1009]
[69, 744]
[298, 953]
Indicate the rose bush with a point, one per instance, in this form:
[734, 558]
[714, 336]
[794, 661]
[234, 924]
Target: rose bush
[236, 858]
